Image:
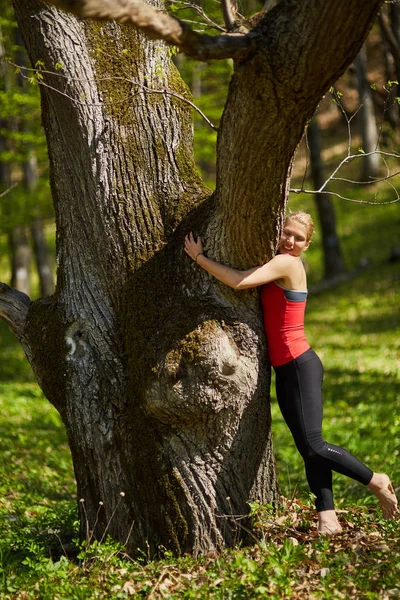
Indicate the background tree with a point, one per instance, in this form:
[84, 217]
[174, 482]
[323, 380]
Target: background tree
[369, 129]
[334, 264]
[23, 164]
[159, 373]
[389, 21]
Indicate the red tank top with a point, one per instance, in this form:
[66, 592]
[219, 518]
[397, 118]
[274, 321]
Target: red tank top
[284, 322]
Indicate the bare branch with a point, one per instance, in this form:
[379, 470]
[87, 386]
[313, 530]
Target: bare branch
[227, 12]
[374, 180]
[347, 159]
[351, 157]
[164, 92]
[175, 95]
[7, 191]
[299, 191]
[346, 116]
[159, 25]
[197, 8]
[14, 306]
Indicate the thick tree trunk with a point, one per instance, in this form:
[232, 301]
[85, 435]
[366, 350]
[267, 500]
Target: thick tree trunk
[161, 397]
[160, 373]
[333, 258]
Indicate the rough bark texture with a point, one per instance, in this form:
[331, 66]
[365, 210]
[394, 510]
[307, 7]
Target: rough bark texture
[160, 373]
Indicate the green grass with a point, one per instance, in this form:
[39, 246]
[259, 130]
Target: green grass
[355, 329]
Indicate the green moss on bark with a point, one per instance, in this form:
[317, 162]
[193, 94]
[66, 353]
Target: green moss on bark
[191, 347]
[176, 523]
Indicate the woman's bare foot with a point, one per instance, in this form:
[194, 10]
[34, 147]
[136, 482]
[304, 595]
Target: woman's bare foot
[328, 523]
[382, 488]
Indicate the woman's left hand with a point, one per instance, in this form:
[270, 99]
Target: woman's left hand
[192, 247]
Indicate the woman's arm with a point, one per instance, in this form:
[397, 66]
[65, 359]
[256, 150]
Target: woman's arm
[277, 268]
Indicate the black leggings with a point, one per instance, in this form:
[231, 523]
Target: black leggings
[299, 393]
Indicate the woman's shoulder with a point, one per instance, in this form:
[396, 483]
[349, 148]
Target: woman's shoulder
[292, 262]
[293, 274]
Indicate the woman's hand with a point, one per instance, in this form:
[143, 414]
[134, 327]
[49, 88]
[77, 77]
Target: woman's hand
[192, 247]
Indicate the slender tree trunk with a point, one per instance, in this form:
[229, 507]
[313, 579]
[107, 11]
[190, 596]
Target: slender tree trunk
[43, 258]
[160, 373]
[20, 251]
[389, 20]
[369, 130]
[333, 258]
[395, 47]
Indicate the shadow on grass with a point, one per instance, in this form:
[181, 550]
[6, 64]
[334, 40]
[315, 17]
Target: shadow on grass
[376, 324]
[378, 389]
[36, 461]
[14, 365]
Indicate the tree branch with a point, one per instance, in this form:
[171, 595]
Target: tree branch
[14, 306]
[347, 159]
[145, 88]
[227, 12]
[209, 22]
[159, 25]
[8, 190]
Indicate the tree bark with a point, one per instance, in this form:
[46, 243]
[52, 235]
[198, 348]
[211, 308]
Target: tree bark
[332, 254]
[160, 373]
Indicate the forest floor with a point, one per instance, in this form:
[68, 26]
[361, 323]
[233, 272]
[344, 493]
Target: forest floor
[354, 327]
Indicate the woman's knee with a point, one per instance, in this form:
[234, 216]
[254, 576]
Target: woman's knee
[314, 450]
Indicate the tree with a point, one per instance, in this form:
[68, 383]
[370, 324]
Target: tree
[369, 129]
[334, 264]
[389, 21]
[160, 373]
[26, 202]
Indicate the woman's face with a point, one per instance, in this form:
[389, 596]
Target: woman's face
[293, 239]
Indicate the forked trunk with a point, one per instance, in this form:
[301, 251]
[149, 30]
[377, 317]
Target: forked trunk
[154, 371]
[160, 373]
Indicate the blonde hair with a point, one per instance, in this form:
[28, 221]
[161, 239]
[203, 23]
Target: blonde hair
[303, 218]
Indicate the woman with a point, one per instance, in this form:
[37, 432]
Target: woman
[298, 369]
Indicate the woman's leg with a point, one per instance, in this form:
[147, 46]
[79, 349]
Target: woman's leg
[382, 488]
[299, 392]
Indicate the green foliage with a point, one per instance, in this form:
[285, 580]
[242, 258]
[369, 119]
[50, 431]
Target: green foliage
[209, 85]
[21, 132]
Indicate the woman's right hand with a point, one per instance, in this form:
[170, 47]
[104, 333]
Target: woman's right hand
[192, 247]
